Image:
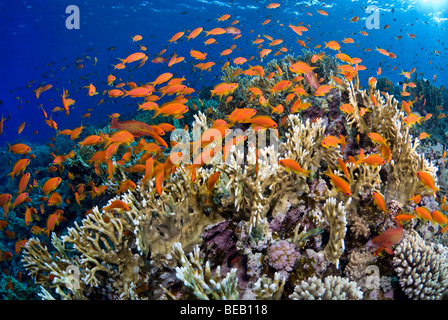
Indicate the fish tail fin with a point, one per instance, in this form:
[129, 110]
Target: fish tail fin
[156, 112]
[306, 173]
[9, 146]
[419, 119]
[434, 192]
[105, 137]
[329, 172]
[126, 93]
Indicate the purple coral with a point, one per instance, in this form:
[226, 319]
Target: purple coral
[282, 255]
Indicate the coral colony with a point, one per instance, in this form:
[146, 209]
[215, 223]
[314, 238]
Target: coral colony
[290, 182]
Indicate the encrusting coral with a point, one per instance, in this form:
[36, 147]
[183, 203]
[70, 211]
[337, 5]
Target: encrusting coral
[284, 211]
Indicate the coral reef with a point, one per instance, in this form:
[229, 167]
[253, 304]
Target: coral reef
[290, 219]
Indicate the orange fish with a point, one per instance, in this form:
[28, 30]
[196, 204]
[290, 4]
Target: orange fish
[347, 108]
[92, 90]
[55, 199]
[277, 109]
[223, 89]
[18, 148]
[341, 184]
[137, 38]
[382, 51]
[115, 93]
[423, 213]
[18, 167]
[416, 199]
[280, 86]
[273, 5]
[215, 32]
[241, 115]
[21, 127]
[404, 217]
[330, 141]
[239, 60]
[51, 184]
[117, 205]
[119, 137]
[171, 109]
[322, 90]
[378, 198]
[411, 119]
[301, 67]
[291, 165]
[91, 140]
[198, 55]
[23, 182]
[440, 218]
[126, 185]
[322, 12]
[19, 246]
[333, 45]
[263, 121]
[76, 132]
[20, 199]
[194, 33]
[374, 160]
[51, 223]
[212, 180]
[5, 200]
[428, 180]
[344, 168]
[133, 57]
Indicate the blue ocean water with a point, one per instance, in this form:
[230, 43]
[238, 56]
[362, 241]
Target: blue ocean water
[38, 49]
[36, 45]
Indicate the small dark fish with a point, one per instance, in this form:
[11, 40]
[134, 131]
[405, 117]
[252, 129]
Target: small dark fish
[111, 48]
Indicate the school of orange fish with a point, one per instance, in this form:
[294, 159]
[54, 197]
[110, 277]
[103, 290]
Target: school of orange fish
[146, 143]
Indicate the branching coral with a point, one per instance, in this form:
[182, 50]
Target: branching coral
[331, 288]
[385, 118]
[200, 280]
[336, 216]
[285, 226]
[267, 289]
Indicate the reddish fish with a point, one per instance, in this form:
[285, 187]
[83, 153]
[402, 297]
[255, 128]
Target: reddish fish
[385, 241]
[136, 128]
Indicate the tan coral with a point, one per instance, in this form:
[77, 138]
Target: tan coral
[386, 119]
[335, 214]
[200, 280]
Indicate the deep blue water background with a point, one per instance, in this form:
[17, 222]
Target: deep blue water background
[35, 45]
